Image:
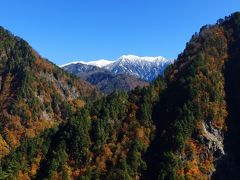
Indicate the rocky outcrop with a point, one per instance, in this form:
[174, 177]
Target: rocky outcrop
[213, 138]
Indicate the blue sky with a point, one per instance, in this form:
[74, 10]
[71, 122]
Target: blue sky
[64, 31]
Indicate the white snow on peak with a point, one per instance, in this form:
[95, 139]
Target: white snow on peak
[99, 63]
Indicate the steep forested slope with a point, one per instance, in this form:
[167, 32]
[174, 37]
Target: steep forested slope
[192, 111]
[183, 126]
[197, 127]
[229, 166]
[34, 93]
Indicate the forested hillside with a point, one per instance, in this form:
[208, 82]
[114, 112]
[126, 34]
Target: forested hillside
[106, 139]
[34, 93]
[183, 126]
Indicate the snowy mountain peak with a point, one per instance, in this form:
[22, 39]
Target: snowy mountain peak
[147, 68]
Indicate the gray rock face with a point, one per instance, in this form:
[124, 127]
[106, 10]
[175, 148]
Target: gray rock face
[214, 138]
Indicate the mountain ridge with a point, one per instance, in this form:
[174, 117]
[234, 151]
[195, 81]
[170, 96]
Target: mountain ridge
[106, 81]
[146, 67]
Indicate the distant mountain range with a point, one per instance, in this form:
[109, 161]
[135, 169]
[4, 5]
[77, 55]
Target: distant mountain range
[146, 68]
[126, 73]
[103, 79]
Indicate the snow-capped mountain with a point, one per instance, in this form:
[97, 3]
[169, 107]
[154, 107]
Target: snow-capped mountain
[147, 68]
